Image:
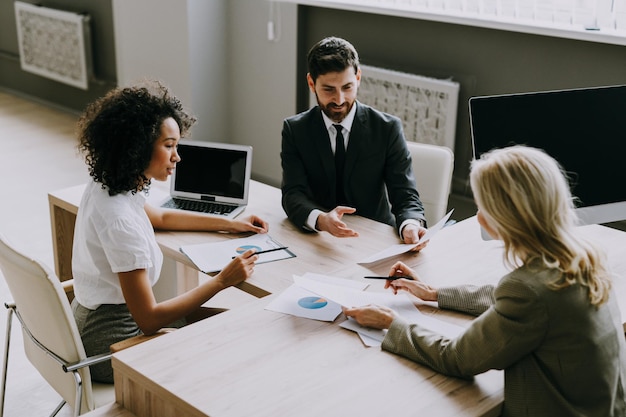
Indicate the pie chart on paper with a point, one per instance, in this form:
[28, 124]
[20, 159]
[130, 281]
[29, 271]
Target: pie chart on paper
[312, 303]
[241, 249]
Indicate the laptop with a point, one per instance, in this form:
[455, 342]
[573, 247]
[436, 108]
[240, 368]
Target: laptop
[211, 178]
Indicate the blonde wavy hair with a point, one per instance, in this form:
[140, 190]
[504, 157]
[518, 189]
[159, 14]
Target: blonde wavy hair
[523, 194]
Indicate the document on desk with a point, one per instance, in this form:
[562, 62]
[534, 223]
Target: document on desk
[400, 303]
[374, 337]
[297, 300]
[405, 247]
[213, 256]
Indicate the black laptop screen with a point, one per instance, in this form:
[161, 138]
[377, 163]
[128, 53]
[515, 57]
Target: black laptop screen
[211, 171]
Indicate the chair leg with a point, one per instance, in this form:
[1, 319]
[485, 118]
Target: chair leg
[59, 407]
[6, 358]
[79, 393]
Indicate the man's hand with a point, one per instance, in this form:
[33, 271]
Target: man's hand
[331, 222]
[412, 234]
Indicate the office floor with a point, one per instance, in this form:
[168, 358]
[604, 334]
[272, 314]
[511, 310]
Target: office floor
[38, 156]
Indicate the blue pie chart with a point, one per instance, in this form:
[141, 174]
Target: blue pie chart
[241, 249]
[312, 303]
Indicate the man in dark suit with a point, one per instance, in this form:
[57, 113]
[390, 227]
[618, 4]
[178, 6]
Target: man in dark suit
[343, 157]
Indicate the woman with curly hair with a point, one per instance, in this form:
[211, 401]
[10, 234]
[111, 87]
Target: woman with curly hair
[129, 137]
[553, 323]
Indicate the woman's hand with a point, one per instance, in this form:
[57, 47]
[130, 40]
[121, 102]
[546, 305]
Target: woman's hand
[412, 285]
[251, 223]
[374, 316]
[238, 270]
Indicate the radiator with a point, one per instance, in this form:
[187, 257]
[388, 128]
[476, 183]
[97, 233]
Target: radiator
[54, 44]
[426, 106]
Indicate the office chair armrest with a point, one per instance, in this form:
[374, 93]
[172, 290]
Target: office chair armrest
[68, 285]
[92, 360]
[116, 347]
[125, 344]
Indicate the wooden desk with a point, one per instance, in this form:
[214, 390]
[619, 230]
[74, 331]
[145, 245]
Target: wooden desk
[250, 361]
[315, 251]
[253, 361]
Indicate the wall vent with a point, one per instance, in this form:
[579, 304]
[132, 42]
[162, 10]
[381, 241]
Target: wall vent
[54, 44]
[426, 106]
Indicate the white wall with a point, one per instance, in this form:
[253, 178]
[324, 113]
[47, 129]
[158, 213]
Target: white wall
[182, 43]
[216, 57]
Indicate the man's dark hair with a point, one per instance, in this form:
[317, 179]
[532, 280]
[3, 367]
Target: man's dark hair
[331, 54]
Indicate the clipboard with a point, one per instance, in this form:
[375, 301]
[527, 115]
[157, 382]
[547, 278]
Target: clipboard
[212, 257]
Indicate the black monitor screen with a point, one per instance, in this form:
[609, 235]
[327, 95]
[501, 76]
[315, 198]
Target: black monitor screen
[583, 129]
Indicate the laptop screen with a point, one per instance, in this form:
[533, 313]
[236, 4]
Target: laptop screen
[211, 169]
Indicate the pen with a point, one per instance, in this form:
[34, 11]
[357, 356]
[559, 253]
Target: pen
[390, 278]
[268, 250]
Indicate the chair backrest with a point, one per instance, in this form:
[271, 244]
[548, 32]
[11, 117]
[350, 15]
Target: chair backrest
[432, 167]
[46, 312]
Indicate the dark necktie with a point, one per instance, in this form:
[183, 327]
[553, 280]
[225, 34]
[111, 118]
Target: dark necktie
[340, 158]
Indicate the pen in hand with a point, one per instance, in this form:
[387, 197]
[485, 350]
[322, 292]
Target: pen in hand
[267, 250]
[389, 278]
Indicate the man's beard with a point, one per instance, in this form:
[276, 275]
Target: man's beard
[334, 113]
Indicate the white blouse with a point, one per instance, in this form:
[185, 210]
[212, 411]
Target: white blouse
[112, 234]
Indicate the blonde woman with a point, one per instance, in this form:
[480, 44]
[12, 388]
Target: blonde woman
[553, 323]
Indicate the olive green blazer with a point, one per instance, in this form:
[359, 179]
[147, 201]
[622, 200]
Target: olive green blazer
[560, 355]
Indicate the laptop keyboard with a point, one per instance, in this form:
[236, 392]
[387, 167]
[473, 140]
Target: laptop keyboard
[200, 206]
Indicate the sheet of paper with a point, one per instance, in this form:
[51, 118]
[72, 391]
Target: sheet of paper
[345, 296]
[368, 334]
[400, 303]
[410, 314]
[298, 301]
[405, 247]
[351, 297]
[213, 256]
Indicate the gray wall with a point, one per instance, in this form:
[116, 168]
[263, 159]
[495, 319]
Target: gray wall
[68, 97]
[484, 61]
[244, 84]
[263, 80]
[186, 46]
[215, 55]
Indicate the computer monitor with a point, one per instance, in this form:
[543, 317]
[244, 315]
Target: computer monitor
[584, 129]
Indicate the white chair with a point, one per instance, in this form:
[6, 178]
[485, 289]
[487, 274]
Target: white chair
[432, 167]
[51, 339]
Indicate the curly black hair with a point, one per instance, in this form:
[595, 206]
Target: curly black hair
[117, 133]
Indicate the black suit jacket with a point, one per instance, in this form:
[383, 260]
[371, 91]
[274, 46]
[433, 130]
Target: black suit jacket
[377, 169]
